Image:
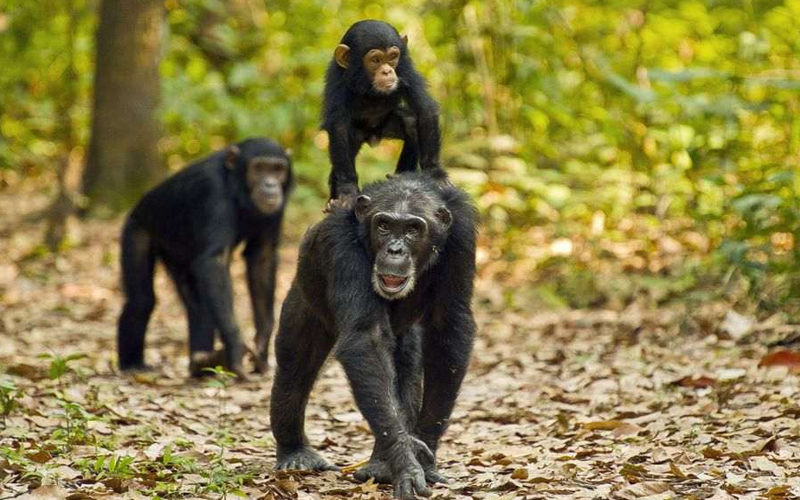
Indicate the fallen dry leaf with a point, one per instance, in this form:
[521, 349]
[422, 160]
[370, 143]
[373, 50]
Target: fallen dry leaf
[790, 359]
[605, 425]
[647, 489]
[696, 382]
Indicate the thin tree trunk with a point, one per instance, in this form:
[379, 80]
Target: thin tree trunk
[123, 156]
[64, 205]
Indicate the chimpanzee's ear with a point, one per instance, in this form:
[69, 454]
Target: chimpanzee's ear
[444, 216]
[341, 55]
[363, 204]
[289, 153]
[405, 39]
[231, 155]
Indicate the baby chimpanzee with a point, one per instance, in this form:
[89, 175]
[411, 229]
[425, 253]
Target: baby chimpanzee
[372, 91]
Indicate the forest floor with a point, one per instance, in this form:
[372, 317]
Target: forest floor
[638, 403]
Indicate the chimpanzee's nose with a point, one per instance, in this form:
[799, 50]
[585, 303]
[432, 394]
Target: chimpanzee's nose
[395, 249]
[386, 71]
[270, 187]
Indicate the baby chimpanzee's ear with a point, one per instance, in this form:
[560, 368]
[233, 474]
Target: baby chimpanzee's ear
[342, 55]
[231, 155]
[363, 204]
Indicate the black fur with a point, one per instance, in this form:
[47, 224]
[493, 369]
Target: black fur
[192, 222]
[354, 114]
[389, 349]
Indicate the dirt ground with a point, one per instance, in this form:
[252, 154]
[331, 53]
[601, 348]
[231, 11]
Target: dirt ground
[638, 403]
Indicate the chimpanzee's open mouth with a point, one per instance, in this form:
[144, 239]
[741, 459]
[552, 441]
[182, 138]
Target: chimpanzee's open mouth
[391, 283]
[269, 203]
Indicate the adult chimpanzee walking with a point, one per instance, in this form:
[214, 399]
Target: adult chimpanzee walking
[372, 91]
[388, 282]
[192, 222]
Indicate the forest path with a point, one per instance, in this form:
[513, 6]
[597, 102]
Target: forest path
[643, 403]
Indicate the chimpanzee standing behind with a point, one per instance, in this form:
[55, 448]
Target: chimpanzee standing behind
[372, 91]
[192, 222]
[389, 283]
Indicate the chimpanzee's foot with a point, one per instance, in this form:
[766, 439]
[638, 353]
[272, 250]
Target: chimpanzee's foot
[343, 201]
[377, 470]
[304, 458]
[134, 368]
[201, 360]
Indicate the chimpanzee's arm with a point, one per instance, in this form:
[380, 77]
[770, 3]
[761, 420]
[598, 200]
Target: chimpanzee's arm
[336, 120]
[427, 117]
[343, 179]
[365, 354]
[210, 271]
[262, 262]
[215, 230]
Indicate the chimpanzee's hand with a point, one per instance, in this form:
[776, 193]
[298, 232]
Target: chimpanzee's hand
[260, 356]
[408, 474]
[378, 468]
[201, 361]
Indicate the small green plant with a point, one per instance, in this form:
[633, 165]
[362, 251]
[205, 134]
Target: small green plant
[221, 378]
[17, 461]
[220, 381]
[178, 463]
[8, 399]
[227, 481]
[60, 365]
[114, 466]
[75, 428]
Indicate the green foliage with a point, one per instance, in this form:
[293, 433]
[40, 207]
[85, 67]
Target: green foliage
[109, 466]
[221, 378]
[60, 365]
[8, 398]
[664, 118]
[74, 430]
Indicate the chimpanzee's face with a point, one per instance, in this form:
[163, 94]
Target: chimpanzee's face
[265, 178]
[381, 66]
[403, 242]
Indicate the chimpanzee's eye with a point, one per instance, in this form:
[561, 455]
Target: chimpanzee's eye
[412, 232]
[383, 227]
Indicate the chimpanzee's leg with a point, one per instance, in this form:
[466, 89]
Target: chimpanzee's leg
[301, 347]
[137, 262]
[262, 265]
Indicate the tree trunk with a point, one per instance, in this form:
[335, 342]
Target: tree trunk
[62, 208]
[123, 158]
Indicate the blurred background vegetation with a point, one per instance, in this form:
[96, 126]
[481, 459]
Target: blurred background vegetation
[618, 151]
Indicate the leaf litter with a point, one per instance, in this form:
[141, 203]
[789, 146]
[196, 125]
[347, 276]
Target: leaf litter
[580, 404]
